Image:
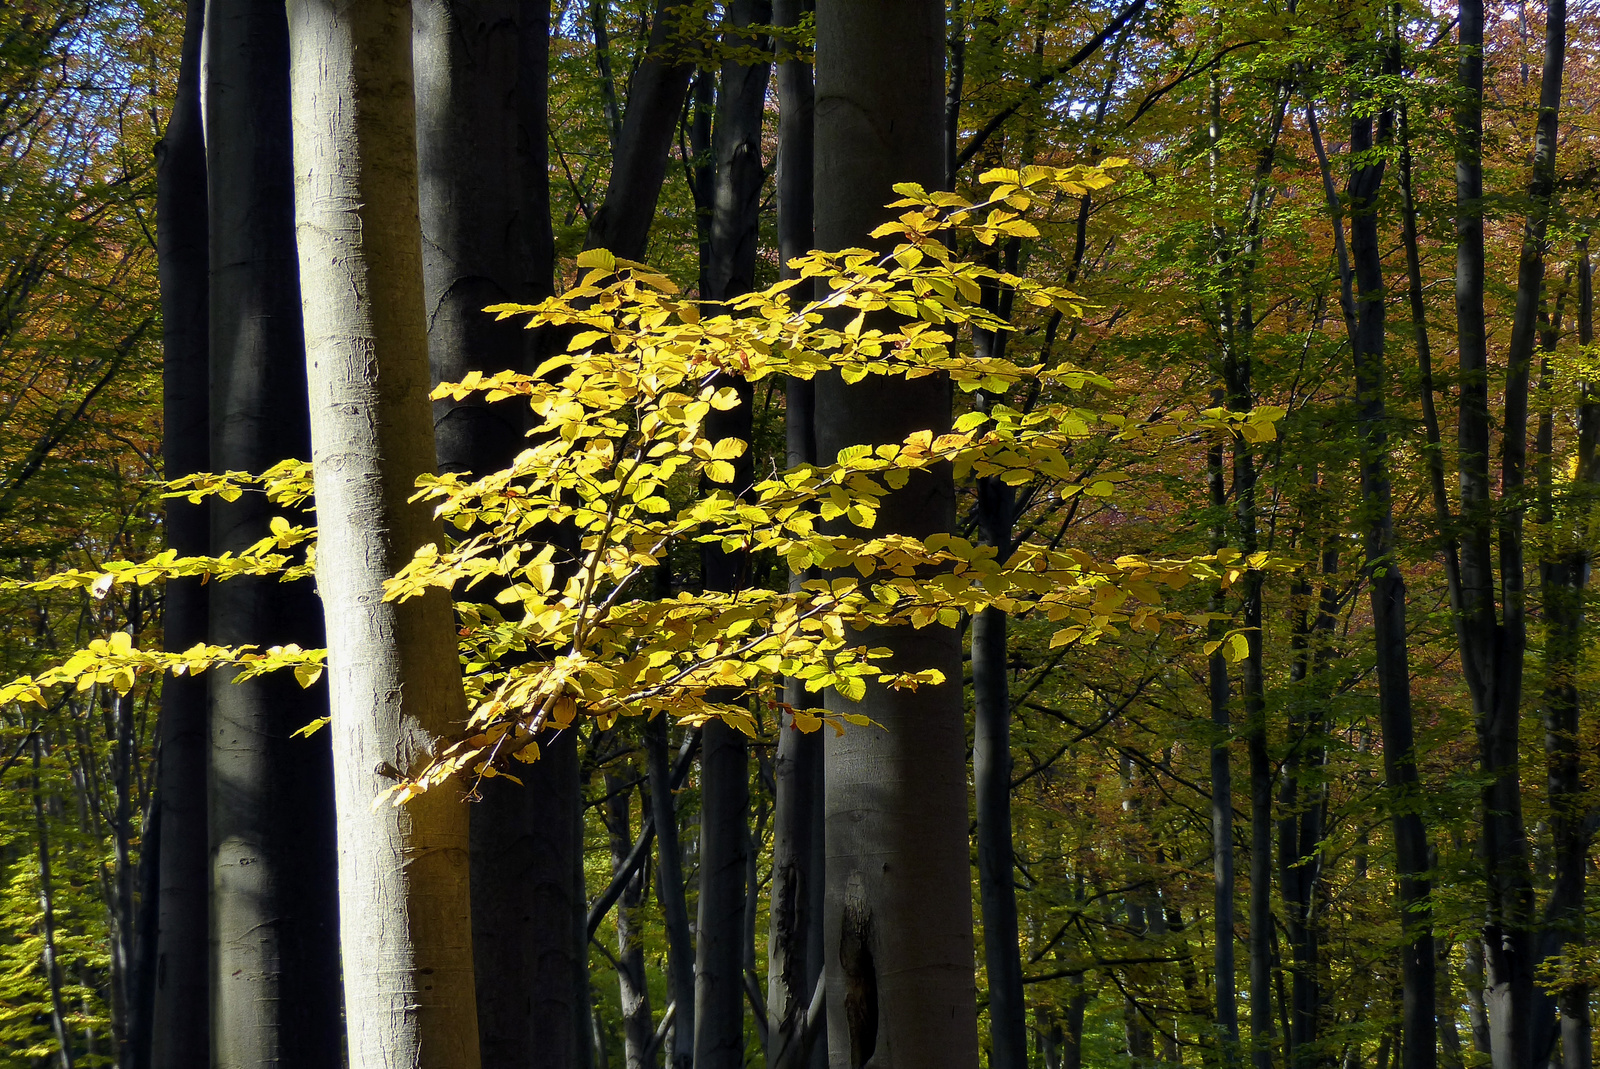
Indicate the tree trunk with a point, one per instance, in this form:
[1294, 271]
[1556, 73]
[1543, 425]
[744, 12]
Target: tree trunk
[482, 78]
[1566, 782]
[1534, 941]
[898, 924]
[633, 991]
[719, 928]
[794, 931]
[670, 890]
[1493, 644]
[395, 679]
[1418, 1040]
[728, 270]
[1222, 860]
[991, 767]
[274, 911]
[47, 921]
[639, 164]
[180, 1036]
[1301, 826]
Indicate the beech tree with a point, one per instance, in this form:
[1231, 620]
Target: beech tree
[898, 908]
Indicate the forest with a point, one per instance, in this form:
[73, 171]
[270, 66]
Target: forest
[813, 534]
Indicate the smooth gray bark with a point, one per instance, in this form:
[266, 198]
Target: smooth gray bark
[1534, 941]
[898, 921]
[1218, 692]
[180, 1037]
[394, 675]
[719, 927]
[274, 953]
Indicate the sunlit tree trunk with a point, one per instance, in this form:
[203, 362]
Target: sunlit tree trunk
[898, 921]
[633, 989]
[394, 675]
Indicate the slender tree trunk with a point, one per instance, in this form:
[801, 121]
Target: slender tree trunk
[1530, 945]
[719, 929]
[274, 911]
[670, 889]
[633, 991]
[395, 679]
[146, 926]
[1222, 859]
[991, 765]
[482, 77]
[1072, 1041]
[181, 1037]
[639, 165]
[1387, 585]
[1300, 828]
[1563, 731]
[47, 919]
[794, 930]
[1493, 644]
[898, 924]
[727, 270]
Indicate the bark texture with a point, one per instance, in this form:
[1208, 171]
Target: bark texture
[898, 923]
[394, 677]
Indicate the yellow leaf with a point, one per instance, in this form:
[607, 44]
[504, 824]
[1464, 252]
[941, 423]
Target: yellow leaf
[316, 725]
[597, 258]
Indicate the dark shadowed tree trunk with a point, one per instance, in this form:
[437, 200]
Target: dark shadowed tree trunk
[1493, 638]
[794, 932]
[991, 757]
[898, 923]
[1419, 1048]
[482, 72]
[670, 890]
[181, 1037]
[728, 271]
[274, 914]
[395, 680]
[639, 163]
